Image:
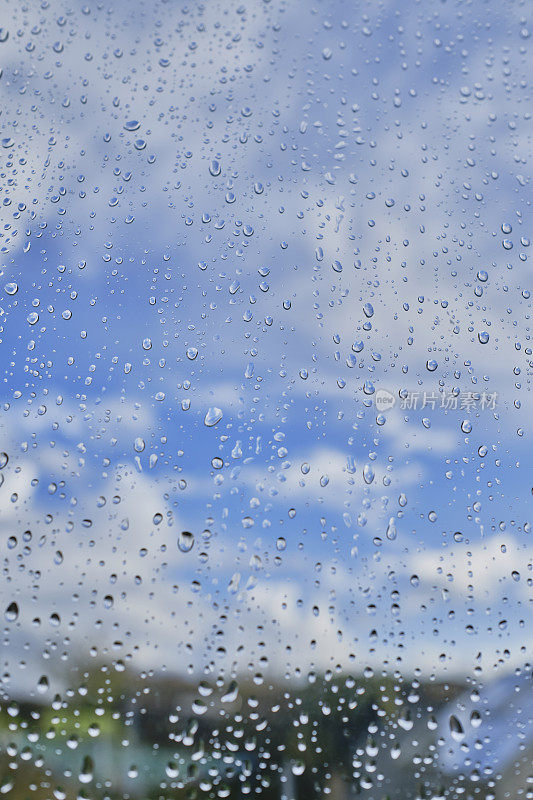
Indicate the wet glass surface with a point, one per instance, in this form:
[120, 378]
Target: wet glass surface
[265, 315]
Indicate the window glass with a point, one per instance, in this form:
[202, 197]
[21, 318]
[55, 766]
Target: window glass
[265, 483]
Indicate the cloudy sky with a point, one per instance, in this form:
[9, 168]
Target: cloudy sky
[266, 213]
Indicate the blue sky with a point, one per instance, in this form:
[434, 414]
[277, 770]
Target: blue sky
[364, 155]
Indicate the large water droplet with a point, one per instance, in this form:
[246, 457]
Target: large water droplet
[12, 612]
[456, 729]
[212, 416]
[186, 541]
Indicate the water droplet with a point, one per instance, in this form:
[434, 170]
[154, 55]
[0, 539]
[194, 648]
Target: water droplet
[186, 541]
[12, 612]
[391, 530]
[475, 719]
[368, 474]
[456, 729]
[212, 416]
[87, 769]
[172, 769]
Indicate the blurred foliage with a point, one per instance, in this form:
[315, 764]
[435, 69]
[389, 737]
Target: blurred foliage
[190, 740]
